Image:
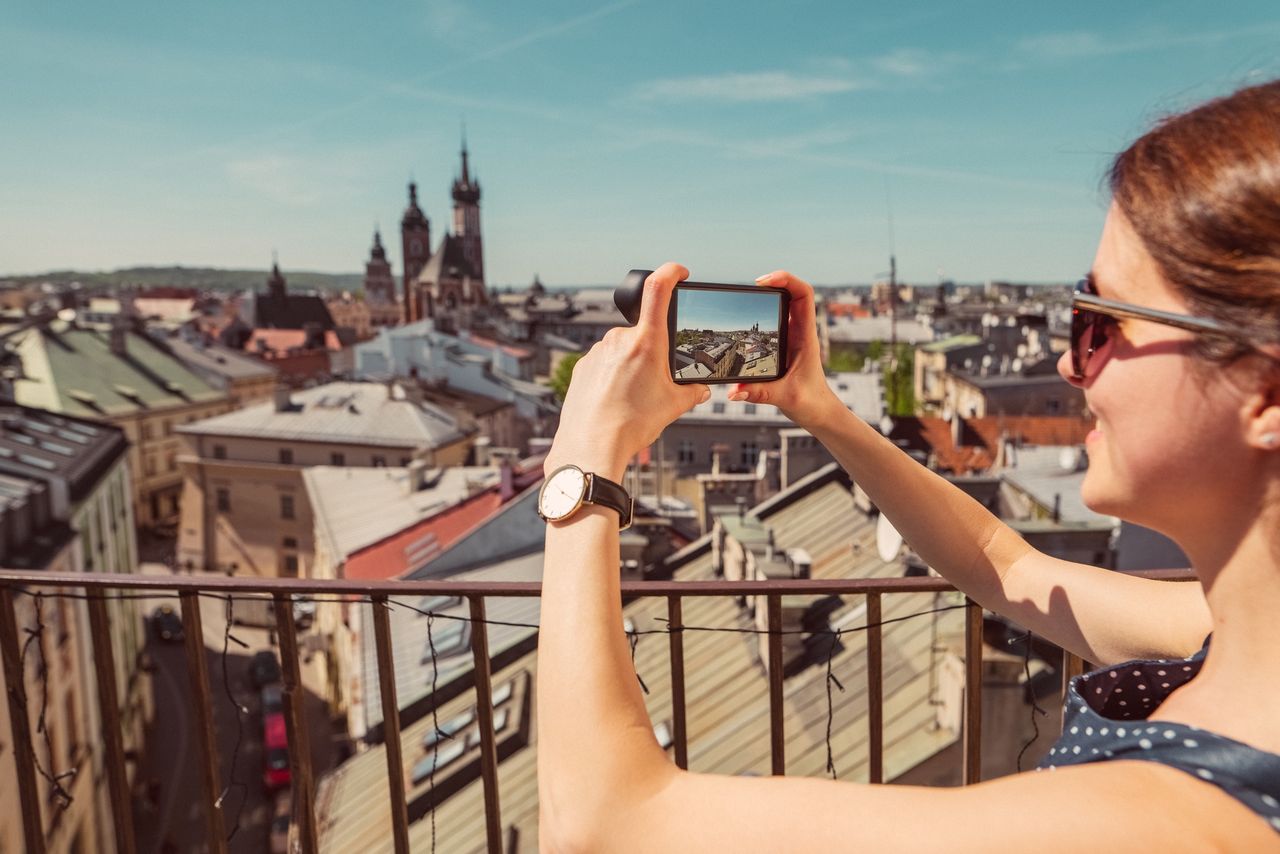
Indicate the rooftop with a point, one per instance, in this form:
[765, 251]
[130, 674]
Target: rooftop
[218, 360]
[42, 445]
[347, 412]
[72, 370]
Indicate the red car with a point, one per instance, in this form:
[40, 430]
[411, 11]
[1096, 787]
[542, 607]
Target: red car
[275, 752]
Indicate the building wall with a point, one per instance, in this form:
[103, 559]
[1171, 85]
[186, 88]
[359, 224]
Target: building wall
[66, 697]
[686, 447]
[153, 454]
[1049, 395]
[252, 535]
[246, 391]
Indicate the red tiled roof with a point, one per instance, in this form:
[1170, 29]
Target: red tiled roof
[389, 558]
[284, 340]
[980, 437]
[516, 352]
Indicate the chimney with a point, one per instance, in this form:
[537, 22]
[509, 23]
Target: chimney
[719, 453]
[417, 479]
[284, 403]
[957, 428]
[119, 336]
[506, 480]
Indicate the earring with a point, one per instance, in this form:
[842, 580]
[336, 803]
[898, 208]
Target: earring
[1270, 440]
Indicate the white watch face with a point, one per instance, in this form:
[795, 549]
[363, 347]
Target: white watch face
[563, 492]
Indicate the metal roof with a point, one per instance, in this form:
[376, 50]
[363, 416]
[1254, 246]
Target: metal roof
[219, 361]
[71, 369]
[355, 507]
[348, 412]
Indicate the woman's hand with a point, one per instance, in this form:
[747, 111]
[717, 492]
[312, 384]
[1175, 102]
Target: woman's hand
[621, 395]
[802, 394]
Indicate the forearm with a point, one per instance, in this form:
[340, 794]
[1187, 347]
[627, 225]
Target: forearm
[950, 531]
[596, 748]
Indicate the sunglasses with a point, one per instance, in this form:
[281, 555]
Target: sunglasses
[1094, 320]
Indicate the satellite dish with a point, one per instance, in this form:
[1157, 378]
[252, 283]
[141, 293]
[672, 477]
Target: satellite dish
[1069, 459]
[888, 540]
[886, 424]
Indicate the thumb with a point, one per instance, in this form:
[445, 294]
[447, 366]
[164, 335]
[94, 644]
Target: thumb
[698, 394]
[754, 392]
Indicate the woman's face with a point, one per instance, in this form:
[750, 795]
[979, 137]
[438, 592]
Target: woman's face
[1168, 439]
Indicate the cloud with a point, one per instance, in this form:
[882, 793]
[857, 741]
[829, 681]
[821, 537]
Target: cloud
[912, 63]
[745, 87]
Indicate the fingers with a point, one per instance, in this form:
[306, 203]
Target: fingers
[657, 297]
[753, 392]
[698, 394]
[794, 285]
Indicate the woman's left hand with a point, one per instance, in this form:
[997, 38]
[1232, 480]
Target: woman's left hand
[621, 395]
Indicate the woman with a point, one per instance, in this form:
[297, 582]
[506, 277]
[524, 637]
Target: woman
[1177, 351]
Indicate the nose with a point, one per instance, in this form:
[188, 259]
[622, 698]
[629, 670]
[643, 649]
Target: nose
[1066, 370]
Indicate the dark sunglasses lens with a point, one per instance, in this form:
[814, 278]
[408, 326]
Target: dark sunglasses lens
[1089, 333]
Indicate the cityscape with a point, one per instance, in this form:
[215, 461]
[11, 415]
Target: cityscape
[267, 533]
[725, 335]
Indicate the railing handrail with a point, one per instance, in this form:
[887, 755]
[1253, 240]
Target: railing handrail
[398, 587]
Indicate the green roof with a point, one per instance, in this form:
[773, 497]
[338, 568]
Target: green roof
[71, 369]
[952, 343]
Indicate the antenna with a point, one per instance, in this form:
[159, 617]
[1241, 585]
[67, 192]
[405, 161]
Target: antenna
[893, 303]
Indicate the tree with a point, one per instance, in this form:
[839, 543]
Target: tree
[563, 373]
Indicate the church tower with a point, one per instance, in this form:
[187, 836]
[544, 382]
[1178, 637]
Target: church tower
[415, 239]
[379, 284]
[466, 217]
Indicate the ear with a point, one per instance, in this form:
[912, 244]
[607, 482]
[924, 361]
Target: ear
[1263, 415]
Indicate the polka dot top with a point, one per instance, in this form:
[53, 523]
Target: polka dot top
[1105, 717]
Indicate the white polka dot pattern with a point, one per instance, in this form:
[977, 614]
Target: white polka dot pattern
[1250, 775]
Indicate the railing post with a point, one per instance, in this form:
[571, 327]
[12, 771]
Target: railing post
[109, 706]
[293, 697]
[972, 692]
[484, 711]
[391, 725]
[20, 725]
[875, 688]
[777, 735]
[1072, 666]
[680, 733]
[202, 707]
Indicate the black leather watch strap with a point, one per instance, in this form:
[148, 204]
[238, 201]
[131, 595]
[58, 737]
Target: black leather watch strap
[609, 494]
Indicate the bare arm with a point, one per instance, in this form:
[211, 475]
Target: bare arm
[1103, 616]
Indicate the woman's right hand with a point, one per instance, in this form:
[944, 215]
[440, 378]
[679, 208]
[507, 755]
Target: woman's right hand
[802, 393]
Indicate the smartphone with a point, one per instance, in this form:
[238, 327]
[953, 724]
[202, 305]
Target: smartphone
[727, 333]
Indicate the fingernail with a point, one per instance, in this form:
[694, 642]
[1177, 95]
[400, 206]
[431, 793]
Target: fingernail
[762, 279]
[738, 395]
[706, 395]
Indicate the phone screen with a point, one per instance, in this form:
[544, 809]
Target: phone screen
[727, 333]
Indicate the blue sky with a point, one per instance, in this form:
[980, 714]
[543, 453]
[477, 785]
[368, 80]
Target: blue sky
[726, 311]
[735, 138]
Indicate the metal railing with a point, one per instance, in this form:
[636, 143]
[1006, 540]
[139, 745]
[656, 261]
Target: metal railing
[99, 589]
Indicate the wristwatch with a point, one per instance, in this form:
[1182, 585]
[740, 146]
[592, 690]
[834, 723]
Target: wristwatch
[569, 487]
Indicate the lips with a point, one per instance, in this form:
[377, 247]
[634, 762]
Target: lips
[1093, 436]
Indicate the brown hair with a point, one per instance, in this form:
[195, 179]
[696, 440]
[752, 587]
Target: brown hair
[1202, 191]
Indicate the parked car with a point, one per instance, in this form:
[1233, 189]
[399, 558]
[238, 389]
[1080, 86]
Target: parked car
[166, 624]
[272, 700]
[275, 752]
[280, 823]
[264, 668]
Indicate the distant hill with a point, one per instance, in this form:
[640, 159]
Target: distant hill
[205, 278]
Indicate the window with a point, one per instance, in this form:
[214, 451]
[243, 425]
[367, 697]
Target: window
[750, 452]
[686, 451]
[404, 462]
[337, 459]
[449, 728]
[168, 427]
[749, 409]
[1053, 406]
[146, 431]
[149, 466]
[290, 567]
[224, 499]
[290, 542]
[171, 461]
[286, 456]
[219, 452]
[286, 507]
[717, 408]
[380, 462]
[448, 753]
[448, 640]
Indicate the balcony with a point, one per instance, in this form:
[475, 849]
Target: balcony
[490, 723]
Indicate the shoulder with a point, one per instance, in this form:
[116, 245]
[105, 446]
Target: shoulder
[1151, 804]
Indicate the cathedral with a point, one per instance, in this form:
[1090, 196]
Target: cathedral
[447, 285]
